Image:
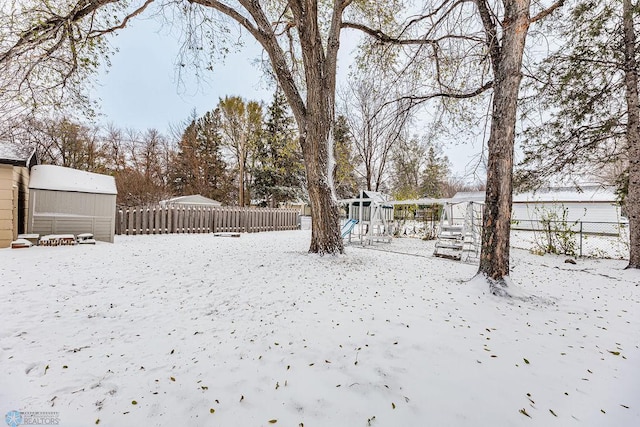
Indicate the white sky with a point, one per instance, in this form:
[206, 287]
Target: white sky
[141, 90]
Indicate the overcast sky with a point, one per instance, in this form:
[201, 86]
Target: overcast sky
[141, 90]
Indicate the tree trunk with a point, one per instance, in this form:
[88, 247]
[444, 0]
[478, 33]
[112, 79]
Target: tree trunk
[633, 134]
[241, 181]
[317, 148]
[507, 62]
[325, 227]
[316, 121]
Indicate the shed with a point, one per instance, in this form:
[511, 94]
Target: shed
[69, 201]
[14, 192]
[192, 200]
[595, 206]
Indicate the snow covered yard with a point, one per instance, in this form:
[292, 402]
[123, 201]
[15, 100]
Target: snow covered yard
[195, 330]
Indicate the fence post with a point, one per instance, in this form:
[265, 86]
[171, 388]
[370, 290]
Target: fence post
[118, 230]
[580, 239]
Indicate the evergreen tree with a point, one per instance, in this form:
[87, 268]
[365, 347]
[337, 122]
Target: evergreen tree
[279, 170]
[435, 175]
[198, 166]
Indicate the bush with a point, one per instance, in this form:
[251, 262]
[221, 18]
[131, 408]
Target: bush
[556, 235]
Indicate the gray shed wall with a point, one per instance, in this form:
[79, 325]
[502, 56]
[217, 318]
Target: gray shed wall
[65, 212]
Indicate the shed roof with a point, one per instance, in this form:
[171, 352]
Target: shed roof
[468, 196]
[14, 155]
[58, 178]
[584, 194]
[194, 199]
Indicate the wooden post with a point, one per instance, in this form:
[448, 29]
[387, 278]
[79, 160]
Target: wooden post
[138, 226]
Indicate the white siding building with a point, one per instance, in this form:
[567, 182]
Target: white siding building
[593, 209]
[594, 206]
[68, 201]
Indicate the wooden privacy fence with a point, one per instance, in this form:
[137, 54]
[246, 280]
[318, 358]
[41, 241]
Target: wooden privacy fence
[191, 219]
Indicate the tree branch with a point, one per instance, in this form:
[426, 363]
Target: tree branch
[124, 22]
[418, 99]
[491, 30]
[51, 26]
[547, 11]
[233, 14]
[385, 38]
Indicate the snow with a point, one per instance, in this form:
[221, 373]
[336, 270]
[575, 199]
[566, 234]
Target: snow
[590, 193]
[587, 193]
[14, 153]
[257, 329]
[194, 199]
[59, 178]
[594, 246]
[20, 243]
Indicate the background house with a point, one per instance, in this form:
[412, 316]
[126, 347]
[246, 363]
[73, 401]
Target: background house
[68, 201]
[14, 192]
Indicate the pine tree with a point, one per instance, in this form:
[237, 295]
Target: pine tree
[279, 170]
[198, 166]
[435, 175]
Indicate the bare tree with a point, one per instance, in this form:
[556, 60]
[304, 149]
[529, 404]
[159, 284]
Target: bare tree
[376, 124]
[64, 142]
[240, 125]
[47, 51]
[114, 147]
[143, 177]
[471, 47]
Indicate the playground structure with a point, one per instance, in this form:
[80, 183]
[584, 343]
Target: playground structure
[459, 232]
[369, 218]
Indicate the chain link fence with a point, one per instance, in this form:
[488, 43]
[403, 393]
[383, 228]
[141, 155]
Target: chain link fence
[575, 238]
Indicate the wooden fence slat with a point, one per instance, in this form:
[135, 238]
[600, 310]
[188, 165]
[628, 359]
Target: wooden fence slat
[129, 221]
[138, 223]
[202, 219]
